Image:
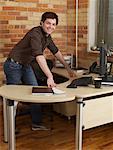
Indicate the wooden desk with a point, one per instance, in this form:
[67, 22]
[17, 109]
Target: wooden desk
[80, 94]
[24, 94]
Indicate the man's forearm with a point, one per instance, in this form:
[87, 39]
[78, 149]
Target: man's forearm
[43, 65]
[59, 56]
[61, 59]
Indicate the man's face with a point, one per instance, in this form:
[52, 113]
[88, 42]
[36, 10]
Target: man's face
[49, 25]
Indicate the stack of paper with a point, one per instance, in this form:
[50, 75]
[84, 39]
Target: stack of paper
[57, 91]
[107, 83]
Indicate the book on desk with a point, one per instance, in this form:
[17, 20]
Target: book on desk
[46, 91]
[42, 91]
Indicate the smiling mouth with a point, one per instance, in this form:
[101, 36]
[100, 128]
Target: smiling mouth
[49, 30]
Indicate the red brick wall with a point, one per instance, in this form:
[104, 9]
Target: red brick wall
[18, 16]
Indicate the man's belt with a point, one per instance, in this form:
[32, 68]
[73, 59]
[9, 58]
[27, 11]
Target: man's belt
[12, 60]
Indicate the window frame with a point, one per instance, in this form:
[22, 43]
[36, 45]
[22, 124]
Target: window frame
[92, 19]
[98, 15]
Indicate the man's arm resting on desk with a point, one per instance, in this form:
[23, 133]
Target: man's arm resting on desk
[59, 56]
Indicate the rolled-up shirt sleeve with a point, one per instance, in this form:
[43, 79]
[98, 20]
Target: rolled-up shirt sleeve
[52, 47]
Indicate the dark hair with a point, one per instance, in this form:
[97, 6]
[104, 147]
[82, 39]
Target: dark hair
[50, 15]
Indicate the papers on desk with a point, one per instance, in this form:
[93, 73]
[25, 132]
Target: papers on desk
[107, 83]
[46, 91]
[107, 80]
[57, 91]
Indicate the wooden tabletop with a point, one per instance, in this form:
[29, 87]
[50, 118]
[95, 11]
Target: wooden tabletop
[24, 93]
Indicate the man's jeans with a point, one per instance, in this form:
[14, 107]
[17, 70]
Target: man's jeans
[20, 74]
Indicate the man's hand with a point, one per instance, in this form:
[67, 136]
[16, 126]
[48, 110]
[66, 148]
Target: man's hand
[51, 83]
[71, 73]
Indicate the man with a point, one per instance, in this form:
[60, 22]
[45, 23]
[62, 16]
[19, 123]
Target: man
[17, 67]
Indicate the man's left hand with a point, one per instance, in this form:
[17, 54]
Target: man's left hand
[71, 73]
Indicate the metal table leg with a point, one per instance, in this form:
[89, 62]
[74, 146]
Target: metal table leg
[5, 117]
[11, 125]
[79, 124]
[5, 120]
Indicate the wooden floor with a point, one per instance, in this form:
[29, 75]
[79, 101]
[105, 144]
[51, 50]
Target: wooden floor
[62, 137]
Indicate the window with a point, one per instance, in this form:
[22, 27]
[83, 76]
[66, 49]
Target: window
[101, 22]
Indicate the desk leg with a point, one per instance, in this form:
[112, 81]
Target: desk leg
[11, 125]
[79, 116]
[5, 120]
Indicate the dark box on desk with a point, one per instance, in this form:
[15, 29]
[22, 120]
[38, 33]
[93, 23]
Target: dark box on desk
[42, 90]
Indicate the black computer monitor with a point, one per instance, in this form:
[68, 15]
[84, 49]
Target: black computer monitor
[103, 67]
[103, 61]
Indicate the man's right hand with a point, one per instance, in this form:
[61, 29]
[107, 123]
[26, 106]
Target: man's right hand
[51, 83]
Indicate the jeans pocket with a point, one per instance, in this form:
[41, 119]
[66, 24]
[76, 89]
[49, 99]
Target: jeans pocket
[8, 65]
[14, 65]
